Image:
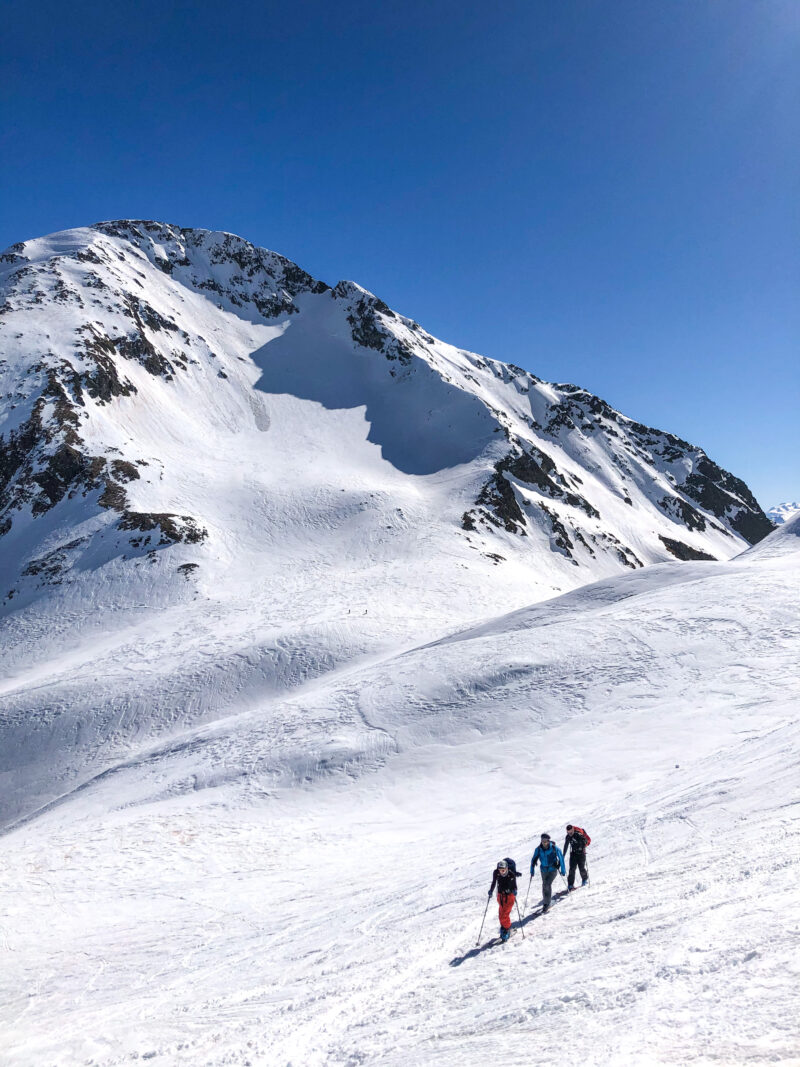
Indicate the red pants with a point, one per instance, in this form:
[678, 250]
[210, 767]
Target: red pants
[506, 902]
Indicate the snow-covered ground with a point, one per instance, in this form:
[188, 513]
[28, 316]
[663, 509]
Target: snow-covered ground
[302, 882]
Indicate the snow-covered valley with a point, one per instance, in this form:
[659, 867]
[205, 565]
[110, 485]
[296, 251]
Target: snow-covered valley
[304, 630]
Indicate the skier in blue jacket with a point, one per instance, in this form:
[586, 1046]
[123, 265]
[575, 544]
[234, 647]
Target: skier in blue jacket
[551, 860]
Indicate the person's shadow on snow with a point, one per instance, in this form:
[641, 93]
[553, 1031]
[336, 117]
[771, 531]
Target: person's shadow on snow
[473, 952]
[479, 949]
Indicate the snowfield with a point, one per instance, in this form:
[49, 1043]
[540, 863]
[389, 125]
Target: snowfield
[306, 619]
[311, 892]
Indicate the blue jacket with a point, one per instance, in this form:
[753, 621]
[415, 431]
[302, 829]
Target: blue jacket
[549, 858]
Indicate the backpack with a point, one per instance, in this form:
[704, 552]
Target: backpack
[583, 834]
[512, 867]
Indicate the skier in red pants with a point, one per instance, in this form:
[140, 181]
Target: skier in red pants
[505, 878]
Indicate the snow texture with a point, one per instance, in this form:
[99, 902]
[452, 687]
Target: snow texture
[258, 758]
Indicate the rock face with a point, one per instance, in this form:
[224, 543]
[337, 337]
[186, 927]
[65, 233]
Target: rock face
[140, 366]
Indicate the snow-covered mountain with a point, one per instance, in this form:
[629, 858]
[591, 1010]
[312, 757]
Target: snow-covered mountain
[151, 374]
[292, 649]
[207, 454]
[781, 513]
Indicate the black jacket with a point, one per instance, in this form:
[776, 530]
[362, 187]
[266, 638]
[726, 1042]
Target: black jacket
[506, 883]
[576, 841]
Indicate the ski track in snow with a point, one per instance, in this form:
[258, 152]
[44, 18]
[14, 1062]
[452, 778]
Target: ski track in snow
[328, 914]
[347, 973]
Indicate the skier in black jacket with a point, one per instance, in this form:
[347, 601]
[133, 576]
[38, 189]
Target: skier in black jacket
[504, 877]
[576, 842]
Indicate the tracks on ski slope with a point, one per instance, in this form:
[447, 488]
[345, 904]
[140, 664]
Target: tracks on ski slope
[325, 935]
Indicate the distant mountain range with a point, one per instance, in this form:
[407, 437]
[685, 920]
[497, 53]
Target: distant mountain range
[781, 513]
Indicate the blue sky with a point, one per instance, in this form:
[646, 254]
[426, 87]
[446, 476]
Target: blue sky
[602, 191]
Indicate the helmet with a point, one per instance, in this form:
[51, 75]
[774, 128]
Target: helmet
[502, 865]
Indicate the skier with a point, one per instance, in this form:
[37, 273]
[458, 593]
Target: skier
[576, 841]
[504, 877]
[551, 860]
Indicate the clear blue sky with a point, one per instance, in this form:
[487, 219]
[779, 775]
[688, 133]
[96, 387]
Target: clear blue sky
[603, 191]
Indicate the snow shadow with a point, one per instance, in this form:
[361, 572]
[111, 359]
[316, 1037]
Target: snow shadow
[492, 942]
[473, 952]
[537, 913]
[421, 423]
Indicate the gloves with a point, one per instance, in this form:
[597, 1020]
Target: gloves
[490, 894]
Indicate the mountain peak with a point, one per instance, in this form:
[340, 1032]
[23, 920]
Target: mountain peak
[159, 382]
[782, 513]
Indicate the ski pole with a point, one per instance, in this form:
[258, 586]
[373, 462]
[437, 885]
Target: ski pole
[519, 917]
[527, 891]
[483, 920]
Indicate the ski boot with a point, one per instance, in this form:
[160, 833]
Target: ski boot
[570, 888]
[504, 934]
[585, 881]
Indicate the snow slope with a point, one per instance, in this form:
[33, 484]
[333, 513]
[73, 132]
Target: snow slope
[222, 480]
[306, 886]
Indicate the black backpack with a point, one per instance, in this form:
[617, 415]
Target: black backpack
[512, 867]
